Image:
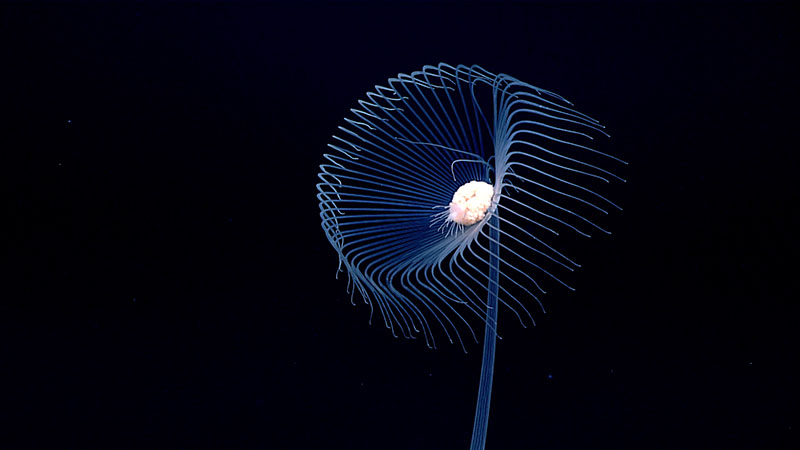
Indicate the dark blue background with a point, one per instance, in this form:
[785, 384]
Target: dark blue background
[168, 285]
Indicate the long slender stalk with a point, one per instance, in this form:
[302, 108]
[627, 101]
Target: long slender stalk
[489, 339]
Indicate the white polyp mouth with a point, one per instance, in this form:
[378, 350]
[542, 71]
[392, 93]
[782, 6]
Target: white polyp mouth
[470, 203]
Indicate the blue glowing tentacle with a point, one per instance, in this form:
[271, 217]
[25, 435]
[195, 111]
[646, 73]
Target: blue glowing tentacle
[489, 340]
